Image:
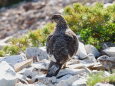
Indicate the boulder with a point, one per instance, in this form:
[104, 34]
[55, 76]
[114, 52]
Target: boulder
[36, 53]
[71, 71]
[69, 81]
[80, 82]
[110, 51]
[7, 75]
[90, 49]
[12, 60]
[81, 53]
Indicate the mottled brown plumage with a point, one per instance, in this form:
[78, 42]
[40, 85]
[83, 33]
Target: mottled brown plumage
[62, 44]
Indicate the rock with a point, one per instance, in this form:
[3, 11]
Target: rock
[80, 82]
[41, 65]
[70, 71]
[69, 81]
[7, 75]
[110, 51]
[91, 58]
[40, 84]
[107, 62]
[12, 60]
[36, 53]
[64, 77]
[28, 73]
[90, 49]
[103, 84]
[81, 53]
[107, 44]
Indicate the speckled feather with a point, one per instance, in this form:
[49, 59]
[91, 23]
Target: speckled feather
[62, 43]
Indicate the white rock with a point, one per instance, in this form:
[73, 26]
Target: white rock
[79, 82]
[81, 53]
[90, 49]
[7, 75]
[103, 84]
[110, 51]
[91, 58]
[39, 53]
[68, 82]
[12, 60]
[39, 84]
[44, 64]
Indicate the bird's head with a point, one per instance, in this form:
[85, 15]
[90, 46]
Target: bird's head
[57, 18]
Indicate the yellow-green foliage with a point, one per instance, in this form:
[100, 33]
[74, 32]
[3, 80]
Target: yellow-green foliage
[99, 77]
[12, 50]
[34, 38]
[2, 53]
[95, 24]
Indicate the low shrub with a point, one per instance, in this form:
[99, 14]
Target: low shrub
[95, 24]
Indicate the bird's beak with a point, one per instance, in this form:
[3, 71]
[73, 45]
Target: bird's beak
[53, 69]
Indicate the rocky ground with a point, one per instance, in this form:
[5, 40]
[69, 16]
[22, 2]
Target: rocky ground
[31, 15]
[30, 68]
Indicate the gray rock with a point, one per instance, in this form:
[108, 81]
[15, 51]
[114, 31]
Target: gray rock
[36, 53]
[81, 53]
[64, 77]
[90, 49]
[7, 75]
[110, 51]
[12, 60]
[70, 71]
[69, 81]
[107, 44]
[103, 84]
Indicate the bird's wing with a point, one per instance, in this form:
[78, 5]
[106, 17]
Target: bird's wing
[72, 42]
[49, 44]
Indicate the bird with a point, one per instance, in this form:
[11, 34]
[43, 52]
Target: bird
[61, 45]
[107, 62]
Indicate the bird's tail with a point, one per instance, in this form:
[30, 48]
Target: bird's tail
[53, 69]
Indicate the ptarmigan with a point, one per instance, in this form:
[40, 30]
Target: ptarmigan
[61, 45]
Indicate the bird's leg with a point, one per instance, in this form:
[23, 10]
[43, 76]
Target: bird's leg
[64, 66]
[110, 69]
